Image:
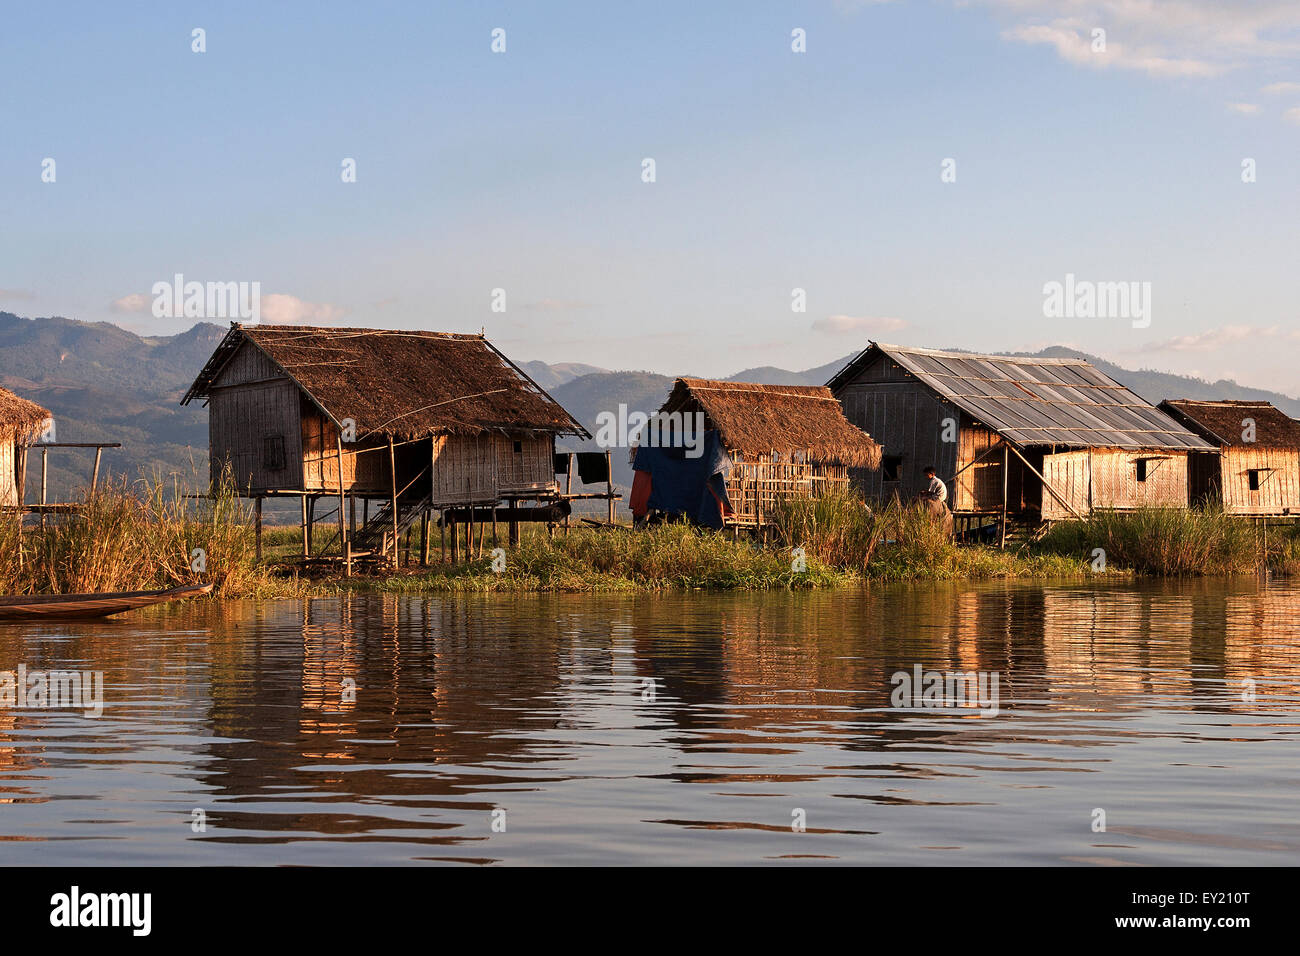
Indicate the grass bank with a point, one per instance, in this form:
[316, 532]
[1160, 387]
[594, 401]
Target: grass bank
[139, 536]
[1175, 542]
[147, 535]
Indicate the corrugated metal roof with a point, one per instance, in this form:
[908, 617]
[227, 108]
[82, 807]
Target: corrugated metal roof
[1035, 401]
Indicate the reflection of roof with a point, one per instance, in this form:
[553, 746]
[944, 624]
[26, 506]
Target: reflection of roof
[1036, 401]
[759, 419]
[20, 418]
[400, 383]
[1224, 422]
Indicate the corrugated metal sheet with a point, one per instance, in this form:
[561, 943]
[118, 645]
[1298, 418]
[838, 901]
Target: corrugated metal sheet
[1040, 401]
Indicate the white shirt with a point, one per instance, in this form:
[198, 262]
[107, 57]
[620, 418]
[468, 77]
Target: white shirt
[937, 490]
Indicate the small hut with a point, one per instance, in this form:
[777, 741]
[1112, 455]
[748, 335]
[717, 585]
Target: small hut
[782, 441]
[1256, 467]
[1032, 438]
[414, 422]
[21, 423]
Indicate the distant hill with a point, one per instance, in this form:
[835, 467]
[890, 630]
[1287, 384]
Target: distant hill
[104, 383]
[549, 376]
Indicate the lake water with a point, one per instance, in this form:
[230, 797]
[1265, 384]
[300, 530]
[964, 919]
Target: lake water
[696, 728]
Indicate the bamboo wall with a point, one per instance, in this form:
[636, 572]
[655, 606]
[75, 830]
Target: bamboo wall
[524, 464]
[1107, 478]
[755, 486]
[8, 472]
[1279, 490]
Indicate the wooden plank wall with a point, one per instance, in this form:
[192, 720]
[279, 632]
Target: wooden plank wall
[1279, 490]
[1111, 475]
[907, 419]
[243, 420]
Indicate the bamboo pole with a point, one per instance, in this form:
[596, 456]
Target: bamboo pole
[94, 472]
[305, 549]
[45, 455]
[392, 474]
[609, 483]
[568, 490]
[424, 538]
[257, 525]
[343, 524]
[1006, 468]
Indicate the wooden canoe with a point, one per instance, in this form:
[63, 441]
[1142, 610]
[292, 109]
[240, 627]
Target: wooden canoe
[27, 607]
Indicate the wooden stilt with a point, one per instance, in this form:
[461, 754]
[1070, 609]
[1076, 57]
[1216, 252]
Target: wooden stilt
[392, 474]
[424, 538]
[343, 524]
[94, 472]
[568, 489]
[609, 485]
[257, 525]
[305, 549]
[1006, 464]
[45, 470]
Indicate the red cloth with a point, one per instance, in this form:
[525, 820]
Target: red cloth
[639, 500]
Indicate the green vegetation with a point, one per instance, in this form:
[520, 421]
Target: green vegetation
[138, 538]
[1176, 542]
[144, 536]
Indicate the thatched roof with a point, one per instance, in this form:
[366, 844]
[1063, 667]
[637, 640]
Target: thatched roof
[19, 418]
[759, 419]
[1223, 422]
[405, 384]
[1035, 401]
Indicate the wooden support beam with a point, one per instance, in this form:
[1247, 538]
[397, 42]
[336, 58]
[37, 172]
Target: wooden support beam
[1006, 468]
[1068, 507]
[609, 485]
[392, 474]
[343, 525]
[568, 489]
[306, 546]
[257, 525]
[94, 472]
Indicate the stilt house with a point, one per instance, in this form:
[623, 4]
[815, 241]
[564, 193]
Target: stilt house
[1255, 467]
[1039, 439]
[415, 422]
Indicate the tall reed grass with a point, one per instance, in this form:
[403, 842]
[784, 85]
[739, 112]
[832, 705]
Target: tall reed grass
[136, 536]
[1166, 541]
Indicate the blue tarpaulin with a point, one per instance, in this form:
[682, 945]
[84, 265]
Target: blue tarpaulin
[692, 487]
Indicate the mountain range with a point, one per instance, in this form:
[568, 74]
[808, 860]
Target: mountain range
[105, 383]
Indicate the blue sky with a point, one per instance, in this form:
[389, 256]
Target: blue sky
[775, 170]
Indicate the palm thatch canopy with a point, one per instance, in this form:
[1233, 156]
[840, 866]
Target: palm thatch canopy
[1224, 423]
[20, 419]
[404, 384]
[759, 419]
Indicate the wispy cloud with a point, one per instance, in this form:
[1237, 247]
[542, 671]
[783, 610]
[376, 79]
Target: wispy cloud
[1214, 339]
[1281, 89]
[135, 302]
[1162, 38]
[17, 295]
[281, 309]
[839, 324]
[1247, 108]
